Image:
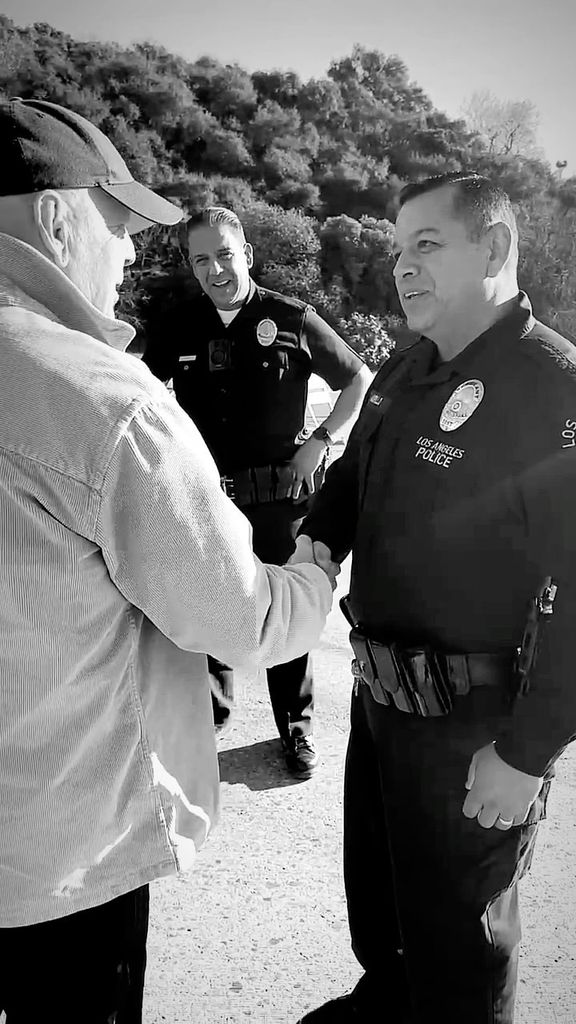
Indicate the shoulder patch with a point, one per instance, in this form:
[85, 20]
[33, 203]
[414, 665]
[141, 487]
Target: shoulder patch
[286, 300]
[555, 346]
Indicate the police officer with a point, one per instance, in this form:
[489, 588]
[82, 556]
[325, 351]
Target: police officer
[240, 357]
[456, 495]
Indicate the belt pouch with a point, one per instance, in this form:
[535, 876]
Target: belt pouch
[263, 478]
[282, 476]
[432, 691]
[457, 673]
[392, 675]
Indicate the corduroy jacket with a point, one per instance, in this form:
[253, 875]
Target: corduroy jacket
[122, 560]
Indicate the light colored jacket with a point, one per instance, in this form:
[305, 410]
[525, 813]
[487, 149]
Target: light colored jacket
[122, 561]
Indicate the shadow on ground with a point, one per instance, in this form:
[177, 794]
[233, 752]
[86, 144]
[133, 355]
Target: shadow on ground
[257, 765]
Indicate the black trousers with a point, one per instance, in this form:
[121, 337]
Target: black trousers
[432, 896]
[87, 968]
[291, 685]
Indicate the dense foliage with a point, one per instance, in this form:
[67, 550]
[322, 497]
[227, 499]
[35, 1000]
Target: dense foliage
[313, 168]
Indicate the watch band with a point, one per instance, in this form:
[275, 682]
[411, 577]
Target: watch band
[324, 435]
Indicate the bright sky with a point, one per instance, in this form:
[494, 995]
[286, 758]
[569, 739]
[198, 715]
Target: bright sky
[517, 49]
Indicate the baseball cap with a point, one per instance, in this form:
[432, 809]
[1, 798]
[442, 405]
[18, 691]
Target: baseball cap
[45, 146]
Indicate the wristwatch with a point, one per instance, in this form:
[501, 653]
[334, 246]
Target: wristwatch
[324, 435]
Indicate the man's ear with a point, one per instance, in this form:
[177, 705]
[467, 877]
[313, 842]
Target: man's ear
[500, 241]
[52, 220]
[249, 253]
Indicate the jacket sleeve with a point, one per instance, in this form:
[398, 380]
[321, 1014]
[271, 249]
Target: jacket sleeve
[543, 722]
[179, 549]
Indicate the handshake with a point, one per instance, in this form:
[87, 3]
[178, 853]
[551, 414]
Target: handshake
[315, 551]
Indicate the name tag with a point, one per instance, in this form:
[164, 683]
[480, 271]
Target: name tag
[186, 359]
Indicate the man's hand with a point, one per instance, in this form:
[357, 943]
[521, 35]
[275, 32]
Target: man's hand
[316, 552]
[303, 466]
[498, 794]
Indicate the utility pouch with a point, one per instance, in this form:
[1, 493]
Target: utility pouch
[415, 680]
[264, 483]
[392, 676]
[432, 690]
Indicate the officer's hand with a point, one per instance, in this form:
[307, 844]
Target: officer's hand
[303, 466]
[318, 553]
[304, 551]
[498, 794]
[323, 558]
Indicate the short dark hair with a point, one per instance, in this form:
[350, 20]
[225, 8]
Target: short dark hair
[211, 216]
[477, 200]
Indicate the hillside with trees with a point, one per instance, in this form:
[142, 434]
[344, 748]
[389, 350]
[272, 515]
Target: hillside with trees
[313, 168]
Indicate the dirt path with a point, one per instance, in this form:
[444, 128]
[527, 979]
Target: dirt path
[258, 931]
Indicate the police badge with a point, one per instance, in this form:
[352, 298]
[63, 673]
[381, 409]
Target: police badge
[461, 404]
[266, 332]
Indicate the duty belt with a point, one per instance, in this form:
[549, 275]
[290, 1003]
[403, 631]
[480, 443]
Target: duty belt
[422, 681]
[256, 485]
[260, 484]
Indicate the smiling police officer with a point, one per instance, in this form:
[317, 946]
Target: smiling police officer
[456, 494]
[240, 357]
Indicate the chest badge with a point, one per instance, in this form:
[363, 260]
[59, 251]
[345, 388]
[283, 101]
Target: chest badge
[266, 332]
[461, 404]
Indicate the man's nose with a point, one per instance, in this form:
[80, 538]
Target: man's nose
[215, 266]
[405, 266]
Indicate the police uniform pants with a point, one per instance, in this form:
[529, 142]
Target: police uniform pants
[291, 685]
[432, 896]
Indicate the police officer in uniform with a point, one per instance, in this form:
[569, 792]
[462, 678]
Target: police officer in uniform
[240, 357]
[457, 496]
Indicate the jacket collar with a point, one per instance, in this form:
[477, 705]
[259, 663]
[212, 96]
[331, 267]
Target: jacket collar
[517, 323]
[29, 279]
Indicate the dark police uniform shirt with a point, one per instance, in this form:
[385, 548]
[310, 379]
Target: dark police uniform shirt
[246, 393]
[459, 503]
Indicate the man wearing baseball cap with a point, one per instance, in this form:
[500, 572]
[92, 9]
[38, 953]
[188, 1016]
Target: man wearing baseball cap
[121, 559]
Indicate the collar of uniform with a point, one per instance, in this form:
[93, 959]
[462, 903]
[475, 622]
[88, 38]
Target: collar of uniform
[208, 304]
[512, 327]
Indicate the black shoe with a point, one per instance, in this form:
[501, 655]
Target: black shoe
[342, 1010]
[301, 755]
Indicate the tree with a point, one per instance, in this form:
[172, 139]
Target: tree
[505, 126]
[282, 87]
[358, 253]
[224, 89]
[297, 195]
[548, 257]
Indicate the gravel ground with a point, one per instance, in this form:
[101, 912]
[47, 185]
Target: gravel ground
[257, 932]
